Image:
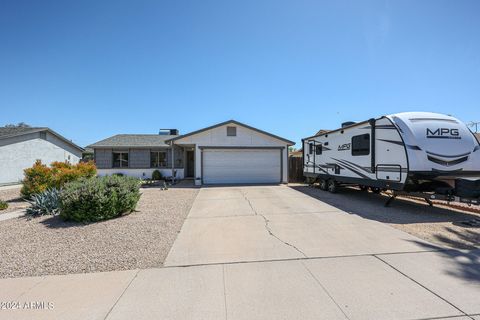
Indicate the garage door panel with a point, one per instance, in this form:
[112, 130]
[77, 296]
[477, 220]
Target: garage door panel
[241, 166]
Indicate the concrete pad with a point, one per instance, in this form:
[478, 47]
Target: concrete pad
[276, 290]
[454, 275]
[77, 296]
[219, 193]
[366, 288]
[339, 234]
[220, 208]
[289, 205]
[229, 239]
[174, 293]
[272, 192]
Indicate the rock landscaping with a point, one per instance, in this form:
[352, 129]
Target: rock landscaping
[142, 239]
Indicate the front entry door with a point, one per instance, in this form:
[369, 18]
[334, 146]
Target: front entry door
[190, 164]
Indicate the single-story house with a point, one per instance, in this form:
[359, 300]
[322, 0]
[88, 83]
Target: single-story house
[226, 153]
[20, 147]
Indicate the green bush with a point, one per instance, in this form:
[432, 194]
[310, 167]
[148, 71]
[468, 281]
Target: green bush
[156, 175]
[3, 205]
[44, 203]
[90, 200]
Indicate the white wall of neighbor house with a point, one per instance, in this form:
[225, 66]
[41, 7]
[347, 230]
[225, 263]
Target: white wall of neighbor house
[140, 173]
[16, 157]
[245, 137]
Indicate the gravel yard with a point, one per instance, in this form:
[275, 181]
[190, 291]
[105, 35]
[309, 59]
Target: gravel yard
[142, 239]
[14, 199]
[440, 224]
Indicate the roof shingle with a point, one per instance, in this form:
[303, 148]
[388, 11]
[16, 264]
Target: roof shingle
[14, 131]
[133, 140]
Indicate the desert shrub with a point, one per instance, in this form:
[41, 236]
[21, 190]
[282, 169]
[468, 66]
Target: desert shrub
[156, 175]
[3, 205]
[90, 200]
[43, 203]
[40, 177]
[37, 179]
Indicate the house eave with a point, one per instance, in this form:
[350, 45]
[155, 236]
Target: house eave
[288, 142]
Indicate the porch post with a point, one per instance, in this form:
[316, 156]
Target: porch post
[173, 158]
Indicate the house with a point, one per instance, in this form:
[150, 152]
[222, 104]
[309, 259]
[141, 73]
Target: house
[226, 153]
[322, 131]
[20, 147]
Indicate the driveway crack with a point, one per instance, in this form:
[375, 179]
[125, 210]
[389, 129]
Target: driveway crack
[269, 230]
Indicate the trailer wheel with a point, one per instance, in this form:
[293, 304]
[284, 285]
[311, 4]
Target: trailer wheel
[323, 185]
[363, 188]
[332, 186]
[375, 190]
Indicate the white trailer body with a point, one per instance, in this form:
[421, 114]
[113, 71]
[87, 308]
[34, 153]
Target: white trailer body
[396, 152]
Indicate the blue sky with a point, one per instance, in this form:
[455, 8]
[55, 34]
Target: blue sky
[91, 69]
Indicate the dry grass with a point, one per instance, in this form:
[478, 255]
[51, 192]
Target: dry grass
[48, 245]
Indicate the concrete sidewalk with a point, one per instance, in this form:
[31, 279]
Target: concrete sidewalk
[12, 214]
[269, 253]
[394, 286]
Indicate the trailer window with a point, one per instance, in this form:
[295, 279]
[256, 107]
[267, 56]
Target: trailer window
[318, 150]
[310, 148]
[361, 145]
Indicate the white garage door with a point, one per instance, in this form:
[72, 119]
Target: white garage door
[241, 166]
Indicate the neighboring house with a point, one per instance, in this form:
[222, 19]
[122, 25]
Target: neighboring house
[226, 153]
[20, 147]
[478, 136]
[322, 131]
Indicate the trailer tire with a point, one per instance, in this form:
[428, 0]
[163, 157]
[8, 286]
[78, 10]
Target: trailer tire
[363, 188]
[332, 186]
[323, 184]
[376, 190]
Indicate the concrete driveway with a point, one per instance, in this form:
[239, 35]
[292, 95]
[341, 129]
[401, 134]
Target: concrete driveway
[271, 253]
[268, 223]
[283, 254]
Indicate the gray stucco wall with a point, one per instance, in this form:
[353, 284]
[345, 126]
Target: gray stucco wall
[103, 158]
[178, 157]
[138, 158]
[21, 153]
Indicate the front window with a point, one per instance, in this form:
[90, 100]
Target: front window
[158, 159]
[120, 159]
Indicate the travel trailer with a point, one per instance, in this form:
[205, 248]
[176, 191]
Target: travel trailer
[412, 152]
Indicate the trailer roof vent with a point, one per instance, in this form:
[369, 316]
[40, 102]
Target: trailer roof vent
[167, 132]
[347, 124]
